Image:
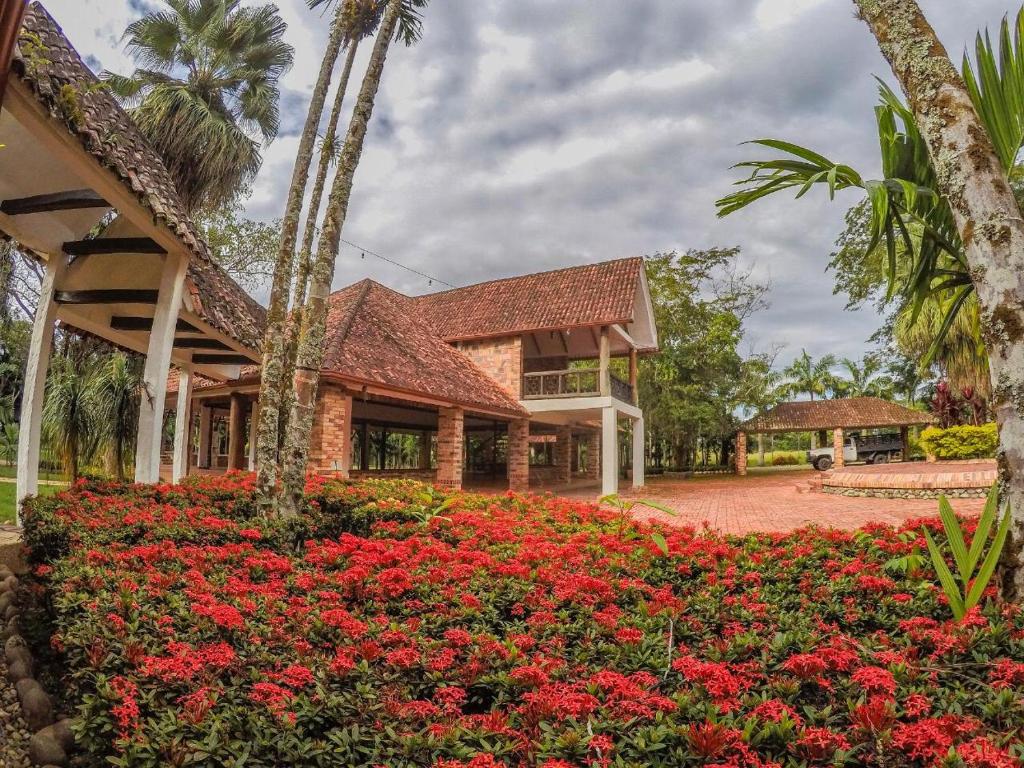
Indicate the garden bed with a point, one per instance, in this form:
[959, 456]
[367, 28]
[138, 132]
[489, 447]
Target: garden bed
[395, 625]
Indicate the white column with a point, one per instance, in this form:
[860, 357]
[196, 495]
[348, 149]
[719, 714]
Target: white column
[182, 425]
[609, 451]
[638, 452]
[254, 415]
[205, 422]
[158, 365]
[35, 380]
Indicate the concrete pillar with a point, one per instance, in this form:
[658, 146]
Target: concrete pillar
[837, 444]
[254, 423]
[604, 363]
[563, 454]
[449, 447]
[593, 470]
[205, 436]
[638, 452]
[519, 455]
[35, 381]
[182, 426]
[609, 451]
[158, 365]
[741, 453]
[236, 432]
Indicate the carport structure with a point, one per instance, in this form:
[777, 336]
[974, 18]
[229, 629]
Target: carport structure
[839, 416]
[83, 192]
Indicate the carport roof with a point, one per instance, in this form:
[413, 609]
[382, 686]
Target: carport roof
[844, 413]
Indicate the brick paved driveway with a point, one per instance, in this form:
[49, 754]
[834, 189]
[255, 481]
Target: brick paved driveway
[771, 502]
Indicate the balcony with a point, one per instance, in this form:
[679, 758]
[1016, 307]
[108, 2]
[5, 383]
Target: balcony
[572, 382]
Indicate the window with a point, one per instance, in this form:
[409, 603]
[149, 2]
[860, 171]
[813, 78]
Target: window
[542, 454]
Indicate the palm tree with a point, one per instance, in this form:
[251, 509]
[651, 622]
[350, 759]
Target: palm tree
[268, 429]
[806, 375]
[402, 20]
[115, 388]
[864, 378]
[206, 91]
[69, 421]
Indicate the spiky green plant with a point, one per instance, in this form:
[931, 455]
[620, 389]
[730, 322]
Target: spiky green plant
[69, 415]
[973, 580]
[115, 391]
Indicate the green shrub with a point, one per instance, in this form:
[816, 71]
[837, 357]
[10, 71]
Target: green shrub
[788, 459]
[965, 442]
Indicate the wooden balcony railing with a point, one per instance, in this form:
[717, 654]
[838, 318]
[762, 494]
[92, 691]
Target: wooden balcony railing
[573, 382]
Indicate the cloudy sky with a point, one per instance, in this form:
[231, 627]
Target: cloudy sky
[521, 136]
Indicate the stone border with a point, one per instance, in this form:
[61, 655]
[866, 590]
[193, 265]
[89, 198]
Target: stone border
[52, 741]
[907, 493]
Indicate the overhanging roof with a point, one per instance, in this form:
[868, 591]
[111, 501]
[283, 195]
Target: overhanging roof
[844, 413]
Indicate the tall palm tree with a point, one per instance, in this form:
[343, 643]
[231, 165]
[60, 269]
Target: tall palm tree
[272, 370]
[402, 20]
[206, 91]
[864, 378]
[69, 421]
[808, 376]
[115, 390]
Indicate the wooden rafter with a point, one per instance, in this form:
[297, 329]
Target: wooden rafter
[106, 245]
[187, 343]
[216, 359]
[108, 296]
[132, 323]
[71, 200]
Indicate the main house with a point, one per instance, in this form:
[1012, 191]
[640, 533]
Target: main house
[528, 381]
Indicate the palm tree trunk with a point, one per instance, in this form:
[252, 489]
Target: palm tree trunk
[306, 250]
[970, 176]
[310, 354]
[267, 434]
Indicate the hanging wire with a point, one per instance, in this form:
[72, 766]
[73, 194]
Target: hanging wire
[363, 251]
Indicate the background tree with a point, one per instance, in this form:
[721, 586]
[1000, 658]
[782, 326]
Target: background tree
[206, 91]
[401, 20]
[807, 376]
[115, 387]
[243, 246]
[692, 390]
[69, 413]
[863, 378]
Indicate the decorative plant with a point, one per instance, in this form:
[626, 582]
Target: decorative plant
[967, 594]
[625, 509]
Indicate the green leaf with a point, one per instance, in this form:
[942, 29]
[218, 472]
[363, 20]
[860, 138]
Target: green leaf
[988, 516]
[660, 542]
[955, 537]
[991, 561]
[949, 586]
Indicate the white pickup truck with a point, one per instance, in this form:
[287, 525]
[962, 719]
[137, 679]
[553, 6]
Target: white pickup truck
[871, 449]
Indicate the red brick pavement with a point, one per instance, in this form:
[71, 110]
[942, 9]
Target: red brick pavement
[771, 502]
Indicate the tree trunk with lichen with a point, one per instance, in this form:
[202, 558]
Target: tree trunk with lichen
[327, 153]
[972, 179]
[267, 431]
[310, 354]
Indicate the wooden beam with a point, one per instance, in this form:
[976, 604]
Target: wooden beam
[108, 296]
[187, 343]
[103, 245]
[221, 360]
[71, 200]
[132, 323]
[565, 342]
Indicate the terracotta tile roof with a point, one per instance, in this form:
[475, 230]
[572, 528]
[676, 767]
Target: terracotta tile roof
[378, 336]
[593, 294]
[845, 413]
[110, 135]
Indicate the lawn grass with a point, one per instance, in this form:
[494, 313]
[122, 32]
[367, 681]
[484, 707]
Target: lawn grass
[7, 493]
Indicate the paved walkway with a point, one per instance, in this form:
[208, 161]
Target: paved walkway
[772, 503]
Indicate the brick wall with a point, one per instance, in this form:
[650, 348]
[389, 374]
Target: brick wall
[563, 455]
[501, 359]
[449, 447]
[330, 438]
[593, 469]
[519, 455]
[741, 453]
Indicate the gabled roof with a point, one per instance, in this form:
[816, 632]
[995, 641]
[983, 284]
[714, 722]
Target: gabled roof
[52, 69]
[593, 294]
[845, 413]
[378, 336]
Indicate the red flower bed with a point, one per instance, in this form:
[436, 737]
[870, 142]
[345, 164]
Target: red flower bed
[505, 631]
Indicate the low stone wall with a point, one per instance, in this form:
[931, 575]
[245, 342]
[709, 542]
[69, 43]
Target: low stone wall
[50, 740]
[908, 493]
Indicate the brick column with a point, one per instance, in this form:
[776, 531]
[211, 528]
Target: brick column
[330, 440]
[905, 442]
[741, 453]
[837, 446]
[593, 471]
[519, 455]
[563, 454]
[449, 447]
[236, 432]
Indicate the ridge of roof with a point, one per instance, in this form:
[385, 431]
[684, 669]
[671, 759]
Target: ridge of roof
[842, 412]
[526, 275]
